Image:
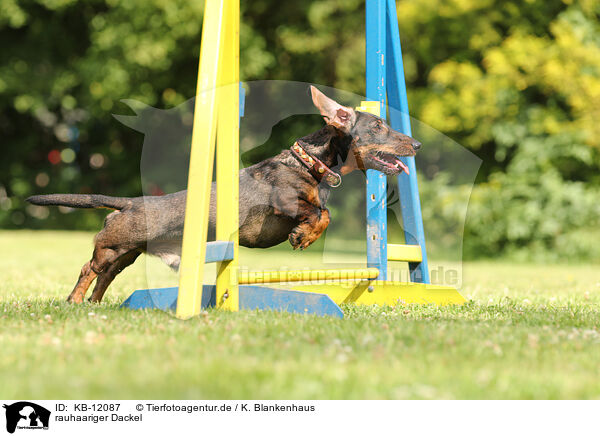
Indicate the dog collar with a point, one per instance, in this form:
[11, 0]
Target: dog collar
[316, 168]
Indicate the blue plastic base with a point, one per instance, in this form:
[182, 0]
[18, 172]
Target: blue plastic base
[251, 298]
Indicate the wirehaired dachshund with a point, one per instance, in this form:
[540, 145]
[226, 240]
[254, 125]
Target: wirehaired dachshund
[281, 198]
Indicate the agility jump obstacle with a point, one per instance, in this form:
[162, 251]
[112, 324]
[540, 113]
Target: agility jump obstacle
[216, 119]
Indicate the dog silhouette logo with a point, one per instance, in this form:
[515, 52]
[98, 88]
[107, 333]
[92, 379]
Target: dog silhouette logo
[26, 415]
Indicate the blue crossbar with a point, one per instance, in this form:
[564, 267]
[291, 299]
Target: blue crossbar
[218, 251]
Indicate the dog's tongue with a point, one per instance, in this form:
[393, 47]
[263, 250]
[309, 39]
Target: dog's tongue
[402, 166]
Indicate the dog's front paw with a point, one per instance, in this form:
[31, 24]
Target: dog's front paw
[295, 238]
[298, 239]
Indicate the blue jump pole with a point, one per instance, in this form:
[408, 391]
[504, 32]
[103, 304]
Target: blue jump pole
[376, 181]
[399, 119]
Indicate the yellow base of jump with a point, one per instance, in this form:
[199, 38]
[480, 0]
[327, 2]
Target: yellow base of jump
[355, 286]
[368, 292]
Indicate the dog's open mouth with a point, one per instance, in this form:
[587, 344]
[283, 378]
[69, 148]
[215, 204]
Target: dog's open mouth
[389, 164]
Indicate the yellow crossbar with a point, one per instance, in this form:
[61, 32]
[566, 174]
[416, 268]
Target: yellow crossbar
[405, 253]
[254, 277]
[372, 107]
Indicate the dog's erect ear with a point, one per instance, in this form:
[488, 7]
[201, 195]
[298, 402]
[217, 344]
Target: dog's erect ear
[336, 115]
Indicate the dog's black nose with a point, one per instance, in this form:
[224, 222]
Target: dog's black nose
[416, 145]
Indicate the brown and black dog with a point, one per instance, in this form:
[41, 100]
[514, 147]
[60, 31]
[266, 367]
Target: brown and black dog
[280, 198]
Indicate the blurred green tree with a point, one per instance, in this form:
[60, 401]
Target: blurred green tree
[516, 81]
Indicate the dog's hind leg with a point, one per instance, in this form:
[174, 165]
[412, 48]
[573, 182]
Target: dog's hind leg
[106, 278]
[86, 278]
[102, 259]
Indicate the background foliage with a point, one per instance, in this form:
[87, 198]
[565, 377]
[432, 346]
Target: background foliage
[516, 82]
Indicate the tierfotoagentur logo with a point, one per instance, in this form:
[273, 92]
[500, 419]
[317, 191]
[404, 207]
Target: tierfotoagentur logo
[24, 415]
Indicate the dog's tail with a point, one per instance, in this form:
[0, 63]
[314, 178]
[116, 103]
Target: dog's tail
[85, 201]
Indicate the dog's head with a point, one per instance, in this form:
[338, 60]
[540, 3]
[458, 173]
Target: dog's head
[373, 145]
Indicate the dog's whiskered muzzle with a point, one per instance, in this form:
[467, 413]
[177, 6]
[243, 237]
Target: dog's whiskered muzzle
[416, 145]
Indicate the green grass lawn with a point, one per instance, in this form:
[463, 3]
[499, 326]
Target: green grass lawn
[528, 331]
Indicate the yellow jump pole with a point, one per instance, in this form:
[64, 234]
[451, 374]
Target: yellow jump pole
[201, 164]
[255, 277]
[227, 296]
